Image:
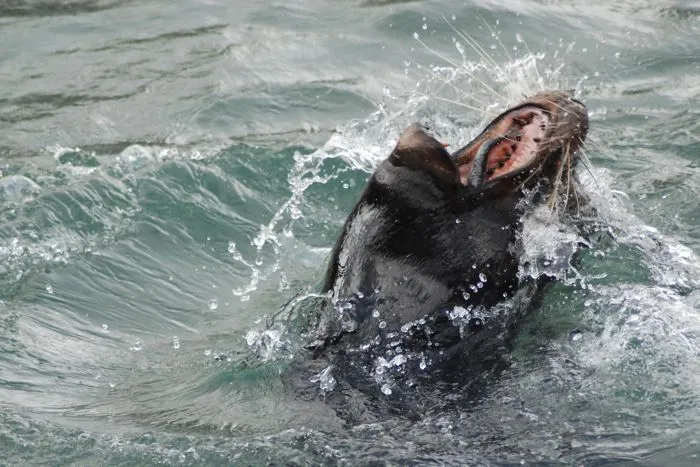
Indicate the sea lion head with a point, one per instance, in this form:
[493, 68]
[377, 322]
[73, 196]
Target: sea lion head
[538, 135]
[536, 139]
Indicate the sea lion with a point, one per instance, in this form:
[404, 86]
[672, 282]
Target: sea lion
[431, 247]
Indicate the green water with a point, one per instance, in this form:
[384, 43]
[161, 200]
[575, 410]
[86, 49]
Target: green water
[175, 173]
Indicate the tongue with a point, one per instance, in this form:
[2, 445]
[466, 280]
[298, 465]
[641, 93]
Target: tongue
[476, 175]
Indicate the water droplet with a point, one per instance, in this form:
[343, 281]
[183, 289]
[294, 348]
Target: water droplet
[473, 288]
[575, 335]
[475, 324]
[382, 324]
[519, 37]
[192, 451]
[465, 295]
[176, 343]
[422, 365]
[375, 313]
[482, 277]
[213, 304]
[49, 288]
[454, 17]
[325, 379]
[386, 389]
[136, 347]
[252, 337]
[425, 27]
[105, 328]
[473, 266]
[231, 247]
[398, 360]
[416, 35]
[479, 285]
[207, 352]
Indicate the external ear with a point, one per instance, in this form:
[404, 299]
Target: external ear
[417, 150]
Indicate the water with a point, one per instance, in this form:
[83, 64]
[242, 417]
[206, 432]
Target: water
[174, 175]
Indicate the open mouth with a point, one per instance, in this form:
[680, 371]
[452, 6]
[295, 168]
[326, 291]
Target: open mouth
[524, 137]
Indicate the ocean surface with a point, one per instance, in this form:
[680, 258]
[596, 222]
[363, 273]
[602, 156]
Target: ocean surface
[173, 175]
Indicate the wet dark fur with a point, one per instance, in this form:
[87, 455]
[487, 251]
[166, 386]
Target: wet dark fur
[415, 247]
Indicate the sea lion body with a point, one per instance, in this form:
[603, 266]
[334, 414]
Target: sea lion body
[432, 247]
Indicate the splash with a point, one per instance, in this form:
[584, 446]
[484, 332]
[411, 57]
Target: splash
[268, 344]
[454, 100]
[17, 189]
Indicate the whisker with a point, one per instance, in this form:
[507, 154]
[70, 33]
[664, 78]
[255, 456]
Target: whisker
[474, 45]
[555, 189]
[462, 91]
[575, 190]
[529, 177]
[537, 70]
[568, 175]
[594, 138]
[456, 103]
[557, 105]
[498, 38]
[585, 161]
[584, 155]
[457, 66]
[437, 54]
[578, 205]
